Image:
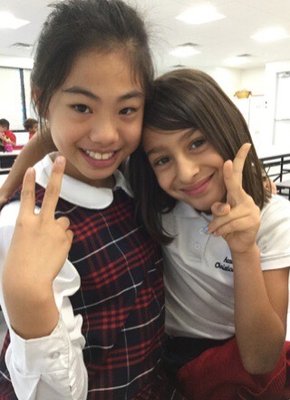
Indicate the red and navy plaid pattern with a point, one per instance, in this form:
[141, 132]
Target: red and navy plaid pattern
[121, 300]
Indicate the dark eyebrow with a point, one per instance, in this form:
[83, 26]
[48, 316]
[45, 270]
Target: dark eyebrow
[155, 150]
[80, 90]
[132, 94]
[91, 95]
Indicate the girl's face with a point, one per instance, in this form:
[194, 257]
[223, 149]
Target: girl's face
[95, 117]
[186, 166]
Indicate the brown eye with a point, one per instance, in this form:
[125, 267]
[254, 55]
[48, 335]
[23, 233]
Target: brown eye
[81, 108]
[197, 143]
[127, 111]
[161, 161]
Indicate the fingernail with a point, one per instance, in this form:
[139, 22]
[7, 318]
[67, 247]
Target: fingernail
[60, 160]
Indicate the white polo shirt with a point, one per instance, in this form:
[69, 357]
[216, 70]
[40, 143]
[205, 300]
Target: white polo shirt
[199, 271]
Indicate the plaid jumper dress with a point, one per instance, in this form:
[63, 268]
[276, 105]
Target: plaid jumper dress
[121, 301]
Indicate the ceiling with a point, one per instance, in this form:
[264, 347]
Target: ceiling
[217, 41]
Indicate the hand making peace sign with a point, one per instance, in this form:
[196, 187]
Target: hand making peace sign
[40, 242]
[238, 220]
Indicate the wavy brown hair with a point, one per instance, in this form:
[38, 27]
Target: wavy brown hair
[190, 99]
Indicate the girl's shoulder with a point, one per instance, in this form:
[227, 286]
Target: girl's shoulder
[273, 236]
[277, 207]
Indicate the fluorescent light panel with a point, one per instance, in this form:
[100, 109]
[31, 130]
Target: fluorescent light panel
[271, 34]
[200, 14]
[9, 21]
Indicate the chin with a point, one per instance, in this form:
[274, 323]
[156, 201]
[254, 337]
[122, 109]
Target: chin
[200, 206]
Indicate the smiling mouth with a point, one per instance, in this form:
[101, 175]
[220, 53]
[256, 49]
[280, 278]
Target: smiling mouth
[198, 187]
[99, 156]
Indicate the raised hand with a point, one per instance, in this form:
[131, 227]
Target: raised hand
[41, 242]
[237, 220]
[37, 252]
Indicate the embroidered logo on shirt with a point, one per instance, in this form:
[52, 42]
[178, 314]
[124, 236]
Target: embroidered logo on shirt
[225, 265]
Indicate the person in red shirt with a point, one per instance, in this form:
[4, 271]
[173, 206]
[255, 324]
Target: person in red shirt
[7, 136]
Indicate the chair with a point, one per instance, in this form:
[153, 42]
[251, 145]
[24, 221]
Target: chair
[283, 186]
[281, 163]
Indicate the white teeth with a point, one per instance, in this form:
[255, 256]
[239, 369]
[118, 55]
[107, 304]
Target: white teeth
[99, 156]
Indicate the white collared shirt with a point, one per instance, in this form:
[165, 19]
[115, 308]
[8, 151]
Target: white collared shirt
[199, 271]
[52, 367]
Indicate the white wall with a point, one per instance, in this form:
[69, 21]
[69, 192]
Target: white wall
[253, 80]
[271, 71]
[227, 78]
[259, 109]
[263, 84]
[16, 62]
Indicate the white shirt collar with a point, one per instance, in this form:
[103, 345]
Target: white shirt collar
[80, 193]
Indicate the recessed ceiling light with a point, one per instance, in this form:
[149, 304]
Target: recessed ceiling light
[244, 55]
[21, 45]
[185, 50]
[9, 21]
[271, 34]
[200, 14]
[178, 66]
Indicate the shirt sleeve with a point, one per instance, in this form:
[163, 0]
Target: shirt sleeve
[273, 236]
[50, 367]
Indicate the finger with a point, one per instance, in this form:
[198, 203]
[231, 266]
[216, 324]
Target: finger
[233, 172]
[232, 182]
[249, 212]
[70, 235]
[219, 209]
[239, 161]
[69, 240]
[236, 225]
[53, 188]
[235, 213]
[64, 222]
[27, 196]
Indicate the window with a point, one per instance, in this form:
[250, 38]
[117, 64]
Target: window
[15, 96]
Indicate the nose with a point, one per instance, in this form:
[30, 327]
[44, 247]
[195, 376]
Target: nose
[104, 131]
[186, 169]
